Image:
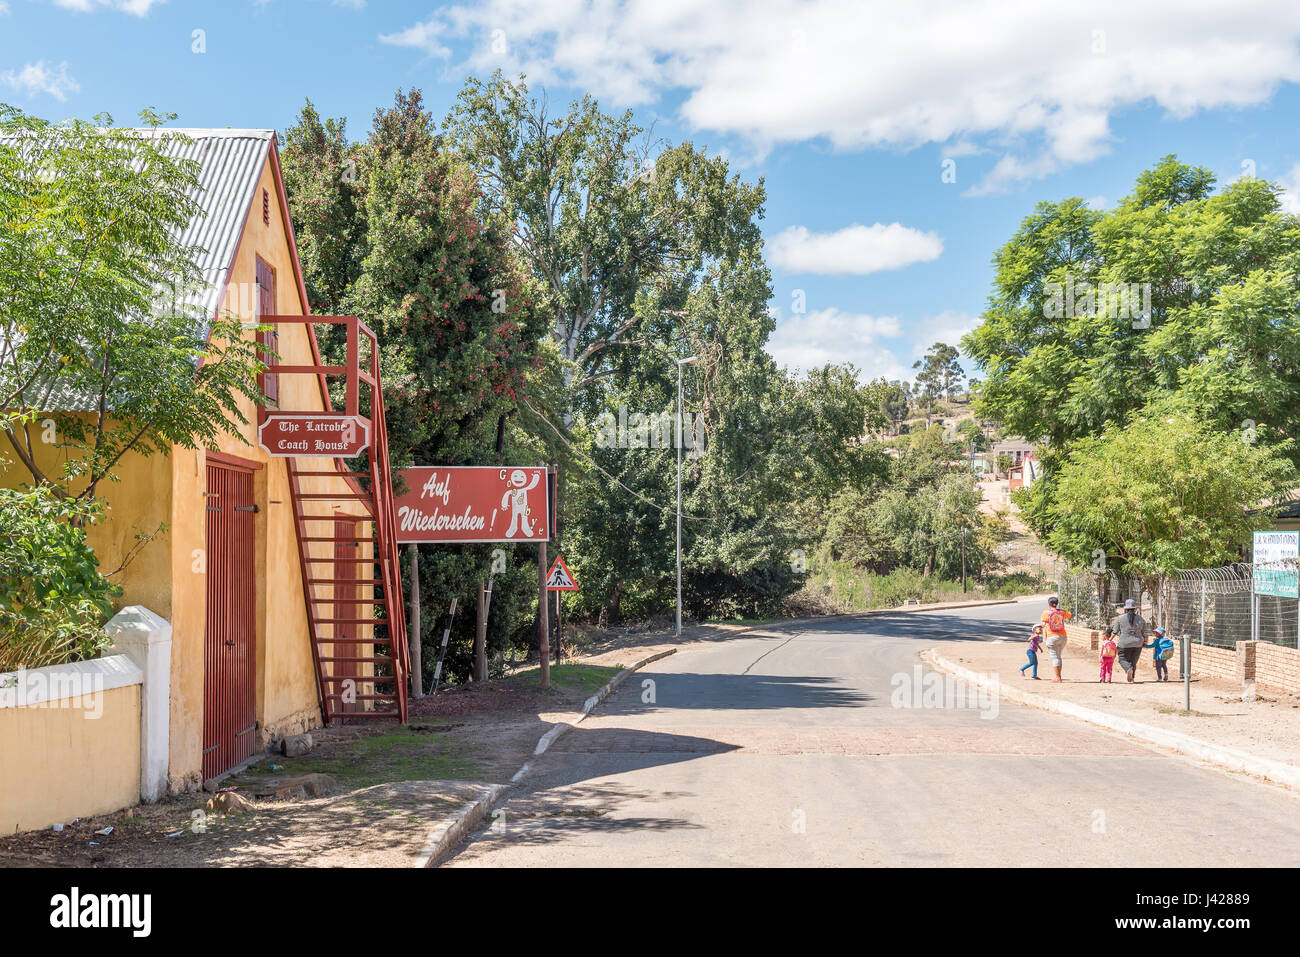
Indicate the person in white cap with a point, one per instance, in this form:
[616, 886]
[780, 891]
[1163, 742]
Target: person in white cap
[1130, 635]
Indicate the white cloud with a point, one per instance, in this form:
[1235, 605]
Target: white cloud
[810, 340]
[37, 78]
[422, 36]
[4, 8]
[947, 327]
[137, 8]
[1290, 200]
[1038, 83]
[854, 251]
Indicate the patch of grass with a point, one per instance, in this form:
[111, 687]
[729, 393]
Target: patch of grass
[397, 755]
[584, 679]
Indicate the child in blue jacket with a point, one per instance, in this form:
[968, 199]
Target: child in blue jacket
[1163, 650]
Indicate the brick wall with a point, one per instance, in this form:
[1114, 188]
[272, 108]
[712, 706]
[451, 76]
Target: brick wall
[1276, 666]
[1207, 660]
[1081, 637]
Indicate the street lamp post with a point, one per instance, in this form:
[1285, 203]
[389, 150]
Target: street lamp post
[680, 362]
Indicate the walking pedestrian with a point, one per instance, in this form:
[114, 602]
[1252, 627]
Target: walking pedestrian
[1108, 652]
[1035, 643]
[1163, 651]
[1054, 620]
[1130, 637]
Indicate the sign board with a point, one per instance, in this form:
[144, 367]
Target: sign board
[474, 503]
[314, 434]
[559, 578]
[1271, 547]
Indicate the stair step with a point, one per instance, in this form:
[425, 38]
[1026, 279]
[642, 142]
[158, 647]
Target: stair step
[325, 496]
[346, 621]
[358, 600]
[377, 659]
[350, 561]
[352, 641]
[361, 697]
[369, 679]
[296, 474]
[336, 541]
[343, 581]
[331, 715]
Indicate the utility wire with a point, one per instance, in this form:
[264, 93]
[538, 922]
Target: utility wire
[583, 455]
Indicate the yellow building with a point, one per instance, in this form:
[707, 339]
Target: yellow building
[241, 527]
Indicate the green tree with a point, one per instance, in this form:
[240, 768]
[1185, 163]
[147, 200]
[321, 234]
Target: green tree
[940, 374]
[973, 435]
[1070, 345]
[643, 253]
[95, 281]
[618, 238]
[1165, 492]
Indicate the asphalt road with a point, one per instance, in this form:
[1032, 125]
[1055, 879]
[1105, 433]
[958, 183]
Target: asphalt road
[818, 747]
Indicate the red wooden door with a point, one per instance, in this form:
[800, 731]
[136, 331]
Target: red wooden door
[346, 605]
[229, 677]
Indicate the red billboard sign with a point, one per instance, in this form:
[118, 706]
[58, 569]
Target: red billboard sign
[474, 503]
[326, 434]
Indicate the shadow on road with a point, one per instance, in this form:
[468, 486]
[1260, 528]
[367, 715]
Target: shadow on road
[918, 626]
[684, 691]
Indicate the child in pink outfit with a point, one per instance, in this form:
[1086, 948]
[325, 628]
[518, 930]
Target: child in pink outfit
[1035, 643]
[1108, 652]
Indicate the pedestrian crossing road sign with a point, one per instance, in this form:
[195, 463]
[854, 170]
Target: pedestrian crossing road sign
[559, 578]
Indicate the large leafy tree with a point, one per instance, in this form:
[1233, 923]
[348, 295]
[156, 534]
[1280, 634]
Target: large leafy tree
[1167, 491]
[614, 233]
[1222, 329]
[642, 254]
[96, 328]
[940, 372]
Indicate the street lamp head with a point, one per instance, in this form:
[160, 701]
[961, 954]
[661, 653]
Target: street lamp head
[688, 362]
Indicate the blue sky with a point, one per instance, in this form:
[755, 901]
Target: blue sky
[849, 111]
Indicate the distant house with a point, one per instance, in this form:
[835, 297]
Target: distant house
[1016, 448]
[1023, 474]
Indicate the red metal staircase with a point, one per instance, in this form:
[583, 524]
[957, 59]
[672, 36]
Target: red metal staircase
[347, 548]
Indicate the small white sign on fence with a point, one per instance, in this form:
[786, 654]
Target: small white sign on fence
[1270, 548]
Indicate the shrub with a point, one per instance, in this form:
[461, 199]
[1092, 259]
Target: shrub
[53, 600]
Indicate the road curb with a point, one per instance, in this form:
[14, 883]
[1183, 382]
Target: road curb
[449, 832]
[1230, 759]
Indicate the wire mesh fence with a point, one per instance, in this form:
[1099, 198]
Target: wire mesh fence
[1212, 606]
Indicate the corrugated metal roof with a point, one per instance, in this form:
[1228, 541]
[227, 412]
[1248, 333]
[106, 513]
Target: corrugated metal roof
[230, 165]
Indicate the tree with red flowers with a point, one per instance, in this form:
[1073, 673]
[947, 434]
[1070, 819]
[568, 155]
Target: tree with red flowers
[396, 230]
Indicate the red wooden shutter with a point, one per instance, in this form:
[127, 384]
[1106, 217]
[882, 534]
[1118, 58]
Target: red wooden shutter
[266, 307]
